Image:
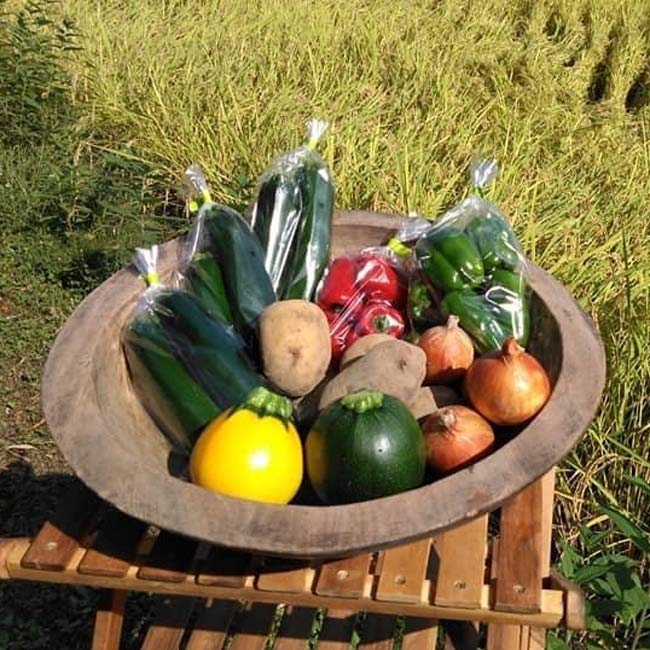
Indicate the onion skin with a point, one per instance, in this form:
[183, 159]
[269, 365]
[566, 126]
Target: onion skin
[509, 386]
[455, 437]
[449, 351]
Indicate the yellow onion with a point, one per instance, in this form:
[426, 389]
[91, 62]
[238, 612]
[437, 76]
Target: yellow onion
[449, 351]
[455, 437]
[508, 386]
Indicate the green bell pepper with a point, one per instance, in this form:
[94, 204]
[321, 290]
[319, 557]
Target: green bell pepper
[495, 241]
[450, 260]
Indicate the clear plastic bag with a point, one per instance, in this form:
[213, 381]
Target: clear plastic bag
[474, 267]
[175, 401]
[222, 263]
[365, 293]
[292, 217]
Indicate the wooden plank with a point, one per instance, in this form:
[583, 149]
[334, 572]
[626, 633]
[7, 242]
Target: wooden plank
[378, 632]
[461, 635]
[255, 627]
[225, 568]
[403, 571]
[504, 637]
[58, 539]
[169, 560]
[552, 613]
[574, 601]
[420, 634]
[169, 624]
[344, 578]
[211, 627]
[548, 495]
[336, 632]
[461, 564]
[109, 618]
[114, 548]
[519, 558]
[285, 576]
[536, 639]
[295, 628]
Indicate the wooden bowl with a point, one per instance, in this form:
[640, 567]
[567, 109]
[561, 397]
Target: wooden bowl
[117, 450]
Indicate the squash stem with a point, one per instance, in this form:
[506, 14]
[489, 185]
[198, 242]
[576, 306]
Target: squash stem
[363, 400]
[266, 403]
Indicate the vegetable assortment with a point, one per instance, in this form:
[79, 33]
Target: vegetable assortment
[398, 358]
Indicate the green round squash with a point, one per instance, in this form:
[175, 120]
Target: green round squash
[365, 446]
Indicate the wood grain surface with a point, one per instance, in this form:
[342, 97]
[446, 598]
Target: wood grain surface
[116, 449]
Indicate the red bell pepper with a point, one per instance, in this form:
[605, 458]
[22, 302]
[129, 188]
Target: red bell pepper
[377, 277]
[380, 317]
[339, 286]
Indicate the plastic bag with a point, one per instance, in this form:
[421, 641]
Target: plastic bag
[292, 218]
[365, 293]
[222, 262]
[474, 268]
[175, 401]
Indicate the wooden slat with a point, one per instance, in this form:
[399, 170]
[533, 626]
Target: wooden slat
[109, 618]
[285, 576]
[461, 564]
[169, 560]
[211, 627]
[169, 624]
[344, 578]
[225, 568]
[536, 639]
[337, 630]
[378, 632]
[519, 558]
[114, 547]
[504, 637]
[420, 634]
[58, 540]
[524, 637]
[548, 494]
[403, 572]
[295, 628]
[255, 627]
[461, 635]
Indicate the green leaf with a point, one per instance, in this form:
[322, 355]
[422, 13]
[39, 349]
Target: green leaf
[553, 643]
[639, 482]
[626, 526]
[590, 572]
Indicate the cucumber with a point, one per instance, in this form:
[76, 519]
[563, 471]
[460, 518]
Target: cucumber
[204, 279]
[173, 399]
[212, 353]
[241, 258]
[312, 245]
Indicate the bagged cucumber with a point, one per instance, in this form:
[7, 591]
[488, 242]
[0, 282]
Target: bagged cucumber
[292, 217]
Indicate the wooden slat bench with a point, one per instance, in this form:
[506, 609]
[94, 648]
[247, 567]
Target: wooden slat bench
[209, 594]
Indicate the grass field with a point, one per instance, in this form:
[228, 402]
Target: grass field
[100, 116]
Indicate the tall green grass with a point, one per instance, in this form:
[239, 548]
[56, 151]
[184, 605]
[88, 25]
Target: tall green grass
[558, 91]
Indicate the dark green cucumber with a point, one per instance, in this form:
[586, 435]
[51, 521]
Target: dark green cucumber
[366, 445]
[495, 241]
[173, 399]
[241, 258]
[275, 221]
[205, 280]
[213, 353]
[311, 251]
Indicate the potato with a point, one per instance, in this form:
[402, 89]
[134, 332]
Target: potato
[424, 403]
[360, 347]
[295, 344]
[394, 367]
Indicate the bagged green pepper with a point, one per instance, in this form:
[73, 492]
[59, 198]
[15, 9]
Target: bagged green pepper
[474, 267]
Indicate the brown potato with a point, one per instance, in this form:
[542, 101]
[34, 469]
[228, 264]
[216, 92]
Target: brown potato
[295, 343]
[360, 347]
[424, 403]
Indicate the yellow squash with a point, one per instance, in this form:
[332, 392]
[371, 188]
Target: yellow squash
[252, 451]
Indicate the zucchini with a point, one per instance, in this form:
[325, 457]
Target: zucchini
[173, 399]
[204, 279]
[213, 353]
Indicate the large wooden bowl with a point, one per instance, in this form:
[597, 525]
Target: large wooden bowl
[116, 449]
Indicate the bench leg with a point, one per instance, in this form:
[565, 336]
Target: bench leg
[108, 620]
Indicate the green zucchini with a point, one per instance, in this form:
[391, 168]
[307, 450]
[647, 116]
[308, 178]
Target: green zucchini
[213, 353]
[204, 279]
[173, 399]
[366, 445]
[241, 258]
